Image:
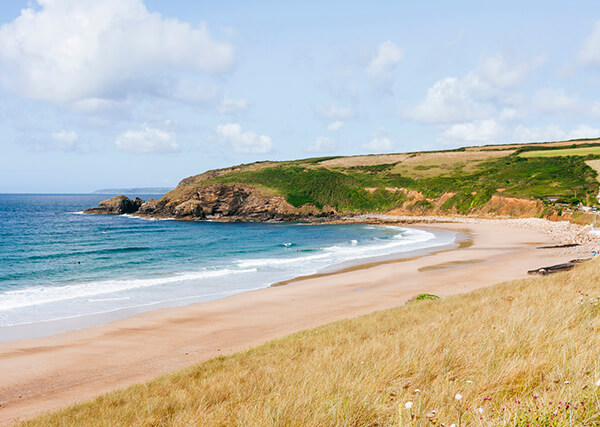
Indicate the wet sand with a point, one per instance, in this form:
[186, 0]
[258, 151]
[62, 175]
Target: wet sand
[44, 374]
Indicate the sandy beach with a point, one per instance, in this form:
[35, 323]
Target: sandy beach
[44, 374]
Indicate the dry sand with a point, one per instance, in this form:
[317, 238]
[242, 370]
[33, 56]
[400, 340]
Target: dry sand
[48, 373]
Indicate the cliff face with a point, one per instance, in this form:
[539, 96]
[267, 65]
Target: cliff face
[226, 202]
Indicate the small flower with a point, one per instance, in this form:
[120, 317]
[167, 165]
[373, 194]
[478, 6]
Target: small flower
[480, 410]
[458, 396]
[598, 383]
[452, 425]
[408, 405]
[417, 390]
[567, 382]
[469, 382]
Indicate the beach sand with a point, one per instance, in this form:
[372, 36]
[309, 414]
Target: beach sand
[44, 374]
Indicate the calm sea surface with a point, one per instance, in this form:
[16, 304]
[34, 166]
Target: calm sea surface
[56, 263]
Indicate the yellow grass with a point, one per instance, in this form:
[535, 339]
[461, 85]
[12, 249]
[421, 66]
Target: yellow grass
[370, 160]
[519, 351]
[583, 151]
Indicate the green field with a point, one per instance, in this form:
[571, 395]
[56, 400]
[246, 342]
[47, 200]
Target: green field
[584, 151]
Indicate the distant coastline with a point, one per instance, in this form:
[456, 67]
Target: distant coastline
[141, 190]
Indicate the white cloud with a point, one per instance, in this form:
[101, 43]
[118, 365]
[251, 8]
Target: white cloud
[480, 131]
[65, 140]
[69, 50]
[334, 126]
[244, 142]
[476, 96]
[147, 140]
[231, 105]
[584, 131]
[549, 100]
[590, 51]
[388, 55]
[379, 144]
[556, 101]
[450, 100]
[503, 72]
[322, 144]
[539, 134]
[554, 133]
[333, 111]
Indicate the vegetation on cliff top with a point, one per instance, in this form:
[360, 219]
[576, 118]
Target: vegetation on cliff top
[469, 177]
[515, 354]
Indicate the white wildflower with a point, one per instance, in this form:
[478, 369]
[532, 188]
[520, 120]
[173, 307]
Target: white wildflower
[408, 405]
[417, 390]
[598, 383]
[458, 396]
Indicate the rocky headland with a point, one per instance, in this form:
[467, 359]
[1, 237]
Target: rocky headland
[223, 202]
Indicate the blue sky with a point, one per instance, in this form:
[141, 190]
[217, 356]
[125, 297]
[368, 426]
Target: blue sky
[128, 93]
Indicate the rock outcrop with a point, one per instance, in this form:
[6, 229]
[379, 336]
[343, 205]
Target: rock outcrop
[224, 202]
[118, 205]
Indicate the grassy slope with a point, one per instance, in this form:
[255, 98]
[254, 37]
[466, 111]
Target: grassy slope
[474, 181]
[525, 352]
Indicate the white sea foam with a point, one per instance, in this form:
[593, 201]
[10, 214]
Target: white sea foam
[107, 299]
[46, 294]
[404, 240]
[261, 262]
[145, 218]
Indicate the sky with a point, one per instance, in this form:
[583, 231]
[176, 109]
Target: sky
[143, 93]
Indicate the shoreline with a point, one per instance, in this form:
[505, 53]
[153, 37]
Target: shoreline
[48, 373]
[50, 327]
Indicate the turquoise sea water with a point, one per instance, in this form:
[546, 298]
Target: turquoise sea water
[56, 263]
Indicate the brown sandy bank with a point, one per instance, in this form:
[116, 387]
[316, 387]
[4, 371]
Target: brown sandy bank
[43, 374]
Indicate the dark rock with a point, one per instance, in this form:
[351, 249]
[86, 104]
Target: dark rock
[116, 206]
[148, 207]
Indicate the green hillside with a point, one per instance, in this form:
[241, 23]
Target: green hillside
[468, 177]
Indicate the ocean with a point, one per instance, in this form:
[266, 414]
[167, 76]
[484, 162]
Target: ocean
[61, 269]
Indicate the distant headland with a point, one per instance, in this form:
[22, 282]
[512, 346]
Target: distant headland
[141, 190]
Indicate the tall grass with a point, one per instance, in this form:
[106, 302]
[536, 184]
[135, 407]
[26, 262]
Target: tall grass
[517, 354]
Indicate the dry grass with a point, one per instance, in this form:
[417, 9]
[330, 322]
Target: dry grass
[525, 352]
[594, 164]
[457, 156]
[370, 160]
